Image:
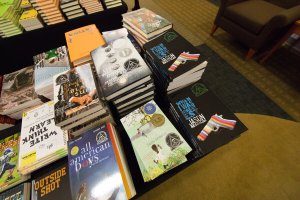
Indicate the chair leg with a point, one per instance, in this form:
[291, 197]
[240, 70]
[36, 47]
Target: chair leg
[213, 30]
[250, 54]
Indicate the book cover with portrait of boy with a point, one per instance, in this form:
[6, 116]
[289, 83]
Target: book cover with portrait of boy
[93, 166]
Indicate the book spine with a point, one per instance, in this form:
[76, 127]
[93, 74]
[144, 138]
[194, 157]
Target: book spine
[7, 120]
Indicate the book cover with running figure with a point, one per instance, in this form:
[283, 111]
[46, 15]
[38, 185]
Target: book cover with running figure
[173, 54]
[93, 167]
[206, 120]
[74, 93]
[158, 145]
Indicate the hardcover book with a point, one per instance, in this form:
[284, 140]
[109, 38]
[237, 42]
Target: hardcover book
[52, 182]
[95, 166]
[205, 119]
[119, 67]
[157, 144]
[9, 154]
[174, 55]
[41, 139]
[75, 94]
[146, 22]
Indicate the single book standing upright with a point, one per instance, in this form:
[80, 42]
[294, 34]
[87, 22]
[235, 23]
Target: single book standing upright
[96, 167]
[157, 145]
[205, 120]
[81, 42]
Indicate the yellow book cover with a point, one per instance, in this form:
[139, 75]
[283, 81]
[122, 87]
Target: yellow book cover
[82, 41]
[28, 14]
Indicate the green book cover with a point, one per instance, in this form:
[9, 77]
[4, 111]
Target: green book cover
[158, 146]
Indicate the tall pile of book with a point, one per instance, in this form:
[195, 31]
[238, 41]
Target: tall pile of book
[112, 3]
[42, 142]
[81, 42]
[9, 151]
[71, 8]
[10, 12]
[105, 173]
[91, 6]
[48, 64]
[157, 144]
[30, 20]
[122, 75]
[145, 25]
[17, 93]
[203, 118]
[175, 62]
[76, 100]
[49, 10]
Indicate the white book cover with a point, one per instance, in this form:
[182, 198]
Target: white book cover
[39, 135]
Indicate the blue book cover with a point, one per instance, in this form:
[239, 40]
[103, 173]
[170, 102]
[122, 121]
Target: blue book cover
[93, 168]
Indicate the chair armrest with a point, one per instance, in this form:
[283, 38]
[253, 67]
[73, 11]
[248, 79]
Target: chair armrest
[230, 2]
[284, 18]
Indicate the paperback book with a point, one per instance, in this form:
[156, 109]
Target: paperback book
[20, 192]
[205, 120]
[157, 144]
[96, 167]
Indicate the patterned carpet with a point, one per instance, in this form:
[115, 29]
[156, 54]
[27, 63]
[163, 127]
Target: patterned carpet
[278, 79]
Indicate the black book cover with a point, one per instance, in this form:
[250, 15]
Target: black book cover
[19, 192]
[173, 54]
[204, 117]
[52, 182]
[118, 65]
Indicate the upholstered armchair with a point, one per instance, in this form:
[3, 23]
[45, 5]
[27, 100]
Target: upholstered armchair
[256, 22]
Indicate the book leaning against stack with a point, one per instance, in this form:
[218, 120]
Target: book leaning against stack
[122, 75]
[76, 98]
[18, 93]
[42, 142]
[48, 64]
[145, 25]
[10, 12]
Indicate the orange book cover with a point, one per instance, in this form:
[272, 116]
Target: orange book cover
[82, 41]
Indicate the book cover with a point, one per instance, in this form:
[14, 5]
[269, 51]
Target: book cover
[52, 182]
[82, 41]
[17, 88]
[118, 65]
[173, 54]
[93, 166]
[74, 93]
[20, 192]
[207, 121]
[40, 137]
[48, 64]
[158, 145]
[146, 21]
[9, 154]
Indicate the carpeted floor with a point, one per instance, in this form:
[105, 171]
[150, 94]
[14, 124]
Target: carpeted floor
[278, 79]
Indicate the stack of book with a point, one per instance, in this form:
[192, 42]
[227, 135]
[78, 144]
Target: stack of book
[122, 75]
[81, 42]
[26, 5]
[145, 25]
[42, 141]
[175, 62]
[18, 93]
[48, 64]
[30, 20]
[6, 122]
[59, 182]
[91, 6]
[9, 151]
[157, 144]
[10, 12]
[98, 167]
[21, 191]
[49, 10]
[71, 8]
[76, 99]
[112, 3]
[203, 118]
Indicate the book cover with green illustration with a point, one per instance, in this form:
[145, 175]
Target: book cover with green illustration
[158, 146]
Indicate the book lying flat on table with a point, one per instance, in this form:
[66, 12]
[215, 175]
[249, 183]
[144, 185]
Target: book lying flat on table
[157, 145]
